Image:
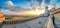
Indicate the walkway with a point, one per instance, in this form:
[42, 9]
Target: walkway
[35, 23]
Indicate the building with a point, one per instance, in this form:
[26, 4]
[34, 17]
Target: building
[2, 18]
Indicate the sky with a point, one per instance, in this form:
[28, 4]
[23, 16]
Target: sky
[26, 3]
[23, 4]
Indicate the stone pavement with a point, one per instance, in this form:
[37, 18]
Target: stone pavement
[35, 23]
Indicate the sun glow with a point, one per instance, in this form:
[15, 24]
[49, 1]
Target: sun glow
[36, 12]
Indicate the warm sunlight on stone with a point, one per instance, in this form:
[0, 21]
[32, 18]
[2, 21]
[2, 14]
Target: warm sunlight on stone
[2, 18]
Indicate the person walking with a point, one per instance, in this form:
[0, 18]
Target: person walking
[51, 20]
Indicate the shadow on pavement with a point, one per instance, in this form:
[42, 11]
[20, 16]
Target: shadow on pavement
[1, 24]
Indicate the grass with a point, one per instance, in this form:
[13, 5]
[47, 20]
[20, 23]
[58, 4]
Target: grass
[8, 17]
[11, 17]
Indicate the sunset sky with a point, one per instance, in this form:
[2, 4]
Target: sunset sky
[23, 4]
[26, 3]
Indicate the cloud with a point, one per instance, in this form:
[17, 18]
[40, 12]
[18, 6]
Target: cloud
[57, 5]
[9, 3]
